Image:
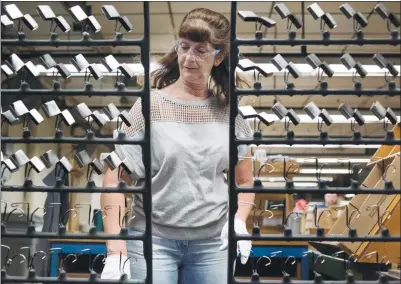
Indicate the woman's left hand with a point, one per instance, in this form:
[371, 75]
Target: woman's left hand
[243, 247]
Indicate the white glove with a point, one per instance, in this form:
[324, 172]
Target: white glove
[111, 268]
[243, 247]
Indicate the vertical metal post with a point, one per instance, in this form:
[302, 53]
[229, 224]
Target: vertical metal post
[233, 150]
[147, 203]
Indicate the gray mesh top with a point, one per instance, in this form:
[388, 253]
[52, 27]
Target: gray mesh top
[189, 152]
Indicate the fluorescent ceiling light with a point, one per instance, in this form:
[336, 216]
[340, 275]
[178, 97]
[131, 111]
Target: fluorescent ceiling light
[305, 184]
[304, 69]
[324, 171]
[332, 160]
[294, 179]
[296, 184]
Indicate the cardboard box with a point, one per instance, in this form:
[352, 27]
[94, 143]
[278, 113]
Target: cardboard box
[366, 221]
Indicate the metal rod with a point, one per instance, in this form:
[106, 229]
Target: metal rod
[146, 148]
[64, 188]
[76, 92]
[79, 43]
[142, 190]
[67, 235]
[233, 151]
[329, 141]
[315, 189]
[311, 282]
[301, 55]
[310, 238]
[70, 140]
[294, 42]
[18, 279]
[337, 92]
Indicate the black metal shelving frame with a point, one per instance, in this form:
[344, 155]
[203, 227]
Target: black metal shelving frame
[235, 92]
[144, 93]
[145, 190]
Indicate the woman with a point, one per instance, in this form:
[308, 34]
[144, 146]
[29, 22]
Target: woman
[189, 139]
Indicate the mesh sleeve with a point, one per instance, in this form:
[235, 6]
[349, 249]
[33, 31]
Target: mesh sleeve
[243, 131]
[135, 132]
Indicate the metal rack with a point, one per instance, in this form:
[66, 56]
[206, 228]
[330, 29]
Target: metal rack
[144, 93]
[234, 142]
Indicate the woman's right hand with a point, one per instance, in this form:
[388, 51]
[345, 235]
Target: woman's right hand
[113, 268]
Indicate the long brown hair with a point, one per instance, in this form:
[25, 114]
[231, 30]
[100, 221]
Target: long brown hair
[201, 25]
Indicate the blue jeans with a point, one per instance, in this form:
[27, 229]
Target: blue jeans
[201, 261]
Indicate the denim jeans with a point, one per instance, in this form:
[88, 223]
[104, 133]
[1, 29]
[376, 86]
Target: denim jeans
[201, 261]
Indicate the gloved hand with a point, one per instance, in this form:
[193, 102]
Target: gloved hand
[111, 268]
[244, 247]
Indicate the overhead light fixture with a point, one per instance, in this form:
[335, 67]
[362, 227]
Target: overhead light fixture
[332, 160]
[323, 68]
[359, 20]
[248, 65]
[350, 63]
[326, 19]
[281, 64]
[249, 16]
[324, 171]
[292, 20]
[295, 179]
[389, 17]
